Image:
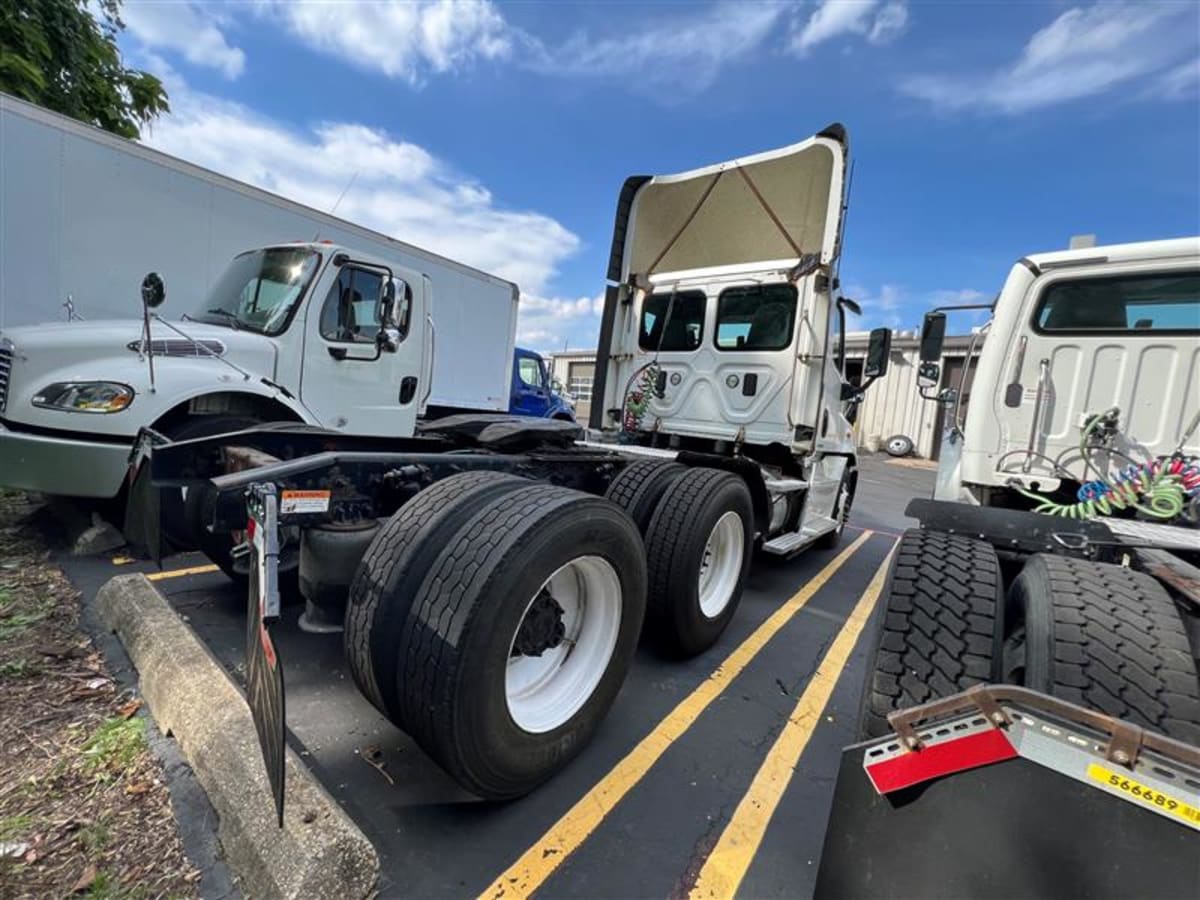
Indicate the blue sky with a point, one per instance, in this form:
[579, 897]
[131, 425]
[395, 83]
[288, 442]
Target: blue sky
[500, 133]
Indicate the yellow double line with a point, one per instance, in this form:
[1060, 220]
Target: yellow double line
[566, 835]
[729, 860]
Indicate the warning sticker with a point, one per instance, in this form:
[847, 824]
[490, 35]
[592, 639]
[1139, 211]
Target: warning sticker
[1135, 789]
[304, 502]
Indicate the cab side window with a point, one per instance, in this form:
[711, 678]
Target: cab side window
[530, 373]
[351, 311]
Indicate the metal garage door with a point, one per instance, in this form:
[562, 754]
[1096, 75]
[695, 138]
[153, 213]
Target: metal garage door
[580, 376]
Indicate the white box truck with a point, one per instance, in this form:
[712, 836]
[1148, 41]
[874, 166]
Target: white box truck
[286, 331]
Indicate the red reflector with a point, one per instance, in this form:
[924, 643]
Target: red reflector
[958, 755]
[250, 529]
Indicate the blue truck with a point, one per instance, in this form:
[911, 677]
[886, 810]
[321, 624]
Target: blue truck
[533, 391]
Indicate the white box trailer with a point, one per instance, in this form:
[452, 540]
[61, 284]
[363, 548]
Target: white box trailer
[85, 215]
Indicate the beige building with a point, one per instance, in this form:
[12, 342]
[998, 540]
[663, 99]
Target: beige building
[575, 370]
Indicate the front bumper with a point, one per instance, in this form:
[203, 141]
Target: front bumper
[57, 465]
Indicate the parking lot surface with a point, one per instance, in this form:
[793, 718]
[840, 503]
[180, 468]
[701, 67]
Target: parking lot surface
[709, 774]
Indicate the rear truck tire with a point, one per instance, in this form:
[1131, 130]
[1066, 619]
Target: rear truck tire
[176, 525]
[391, 571]
[1105, 637]
[698, 548]
[939, 631]
[898, 445]
[845, 500]
[520, 636]
[639, 486]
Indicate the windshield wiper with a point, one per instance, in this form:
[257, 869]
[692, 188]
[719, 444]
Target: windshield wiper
[234, 321]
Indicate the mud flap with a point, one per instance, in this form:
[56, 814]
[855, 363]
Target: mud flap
[142, 527]
[1030, 810]
[264, 668]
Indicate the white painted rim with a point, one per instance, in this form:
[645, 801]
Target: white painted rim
[543, 692]
[899, 445]
[721, 565]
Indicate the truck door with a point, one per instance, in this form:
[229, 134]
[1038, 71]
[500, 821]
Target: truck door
[1102, 337]
[530, 386]
[347, 381]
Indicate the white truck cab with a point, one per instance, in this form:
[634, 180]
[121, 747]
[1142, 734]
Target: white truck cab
[1094, 350]
[721, 327]
[304, 332]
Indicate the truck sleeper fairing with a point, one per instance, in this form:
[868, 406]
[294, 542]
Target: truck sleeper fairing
[771, 218]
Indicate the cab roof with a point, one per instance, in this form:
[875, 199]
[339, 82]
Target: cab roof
[1174, 248]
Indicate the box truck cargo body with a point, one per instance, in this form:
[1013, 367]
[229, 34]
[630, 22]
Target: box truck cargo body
[84, 215]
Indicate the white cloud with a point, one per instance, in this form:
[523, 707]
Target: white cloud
[898, 307]
[399, 188]
[190, 29]
[681, 52]
[401, 40]
[1082, 53]
[550, 323]
[1179, 82]
[878, 23]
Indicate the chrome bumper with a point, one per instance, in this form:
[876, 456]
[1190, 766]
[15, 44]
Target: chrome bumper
[55, 465]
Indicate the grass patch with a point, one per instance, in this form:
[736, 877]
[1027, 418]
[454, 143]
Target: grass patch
[19, 668]
[115, 745]
[14, 620]
[12, 827]
[95, 836]
[107, 887]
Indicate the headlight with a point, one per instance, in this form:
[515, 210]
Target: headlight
[85, 396]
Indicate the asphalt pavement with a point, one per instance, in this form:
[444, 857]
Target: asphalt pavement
[709, 774]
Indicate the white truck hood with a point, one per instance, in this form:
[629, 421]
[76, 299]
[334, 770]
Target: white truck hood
[772, 210]
[100, 351]
[90, 348]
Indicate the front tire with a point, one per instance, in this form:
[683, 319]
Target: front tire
[698, 548]
[176, 523]
[841, 513]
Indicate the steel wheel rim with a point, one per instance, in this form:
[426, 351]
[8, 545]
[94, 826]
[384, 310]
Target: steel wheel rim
[721, 564]
[544, 692]
[898, 445]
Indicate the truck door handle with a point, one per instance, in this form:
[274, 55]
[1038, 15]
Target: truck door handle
[750, 384]
[408, 388]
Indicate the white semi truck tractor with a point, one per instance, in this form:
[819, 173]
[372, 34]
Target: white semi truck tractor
[1031, 712]
[490, 576]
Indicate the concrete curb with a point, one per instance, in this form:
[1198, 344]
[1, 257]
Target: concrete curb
[319, 852]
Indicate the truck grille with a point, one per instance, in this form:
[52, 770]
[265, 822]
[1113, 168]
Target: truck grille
[6, 356]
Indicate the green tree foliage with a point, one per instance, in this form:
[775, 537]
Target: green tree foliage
[57, 54]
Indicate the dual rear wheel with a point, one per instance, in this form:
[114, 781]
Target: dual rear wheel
[1098, 635]
[494, 618]
[698, 526]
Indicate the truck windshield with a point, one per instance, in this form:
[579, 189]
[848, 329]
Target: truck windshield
[259, 289]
